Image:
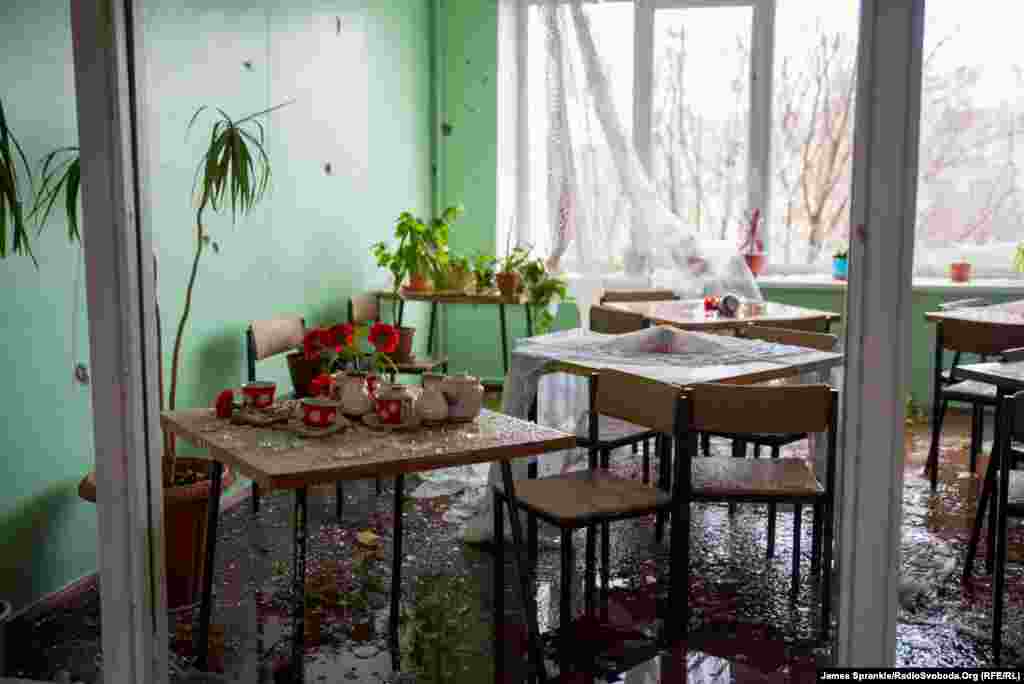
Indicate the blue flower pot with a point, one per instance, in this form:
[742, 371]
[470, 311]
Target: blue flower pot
[839, 267]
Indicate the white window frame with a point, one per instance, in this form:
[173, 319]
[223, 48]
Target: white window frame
[513, 63]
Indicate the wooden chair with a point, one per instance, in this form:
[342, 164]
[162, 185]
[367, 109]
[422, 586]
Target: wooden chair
[615, 322]
[764, 409]
[652, 295]
[775, 441]
[1010, 503]
[365, 308]
[813, 325]
[965, 337]
[264, 339]
[595, 497]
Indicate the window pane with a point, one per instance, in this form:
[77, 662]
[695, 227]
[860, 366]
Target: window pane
[700, 115]
[813, 86]
[611, 25]
[969, 204]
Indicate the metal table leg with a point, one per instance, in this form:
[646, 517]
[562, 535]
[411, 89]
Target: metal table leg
[987, 492]
[430, 329]
[532, 630]
[299, 587]
[205, 606]
[504, 339]
[396, 574]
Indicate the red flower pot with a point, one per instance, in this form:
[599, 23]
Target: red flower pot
[259, 394]
[755, 262]
[960, 271]
[318, 412]
[508, 284]
[418, 282]
[404, 349]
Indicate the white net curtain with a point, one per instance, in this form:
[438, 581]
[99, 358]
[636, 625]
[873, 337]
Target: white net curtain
[573, 187]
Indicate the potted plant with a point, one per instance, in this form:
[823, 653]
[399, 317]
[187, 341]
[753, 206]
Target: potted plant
[460, 273]
[418, 245]
[1018, 258]
[508, 277]
[483, 272]
[751, 244]
[544, 293]
[11, 212]
[840, 263]
[960, 271]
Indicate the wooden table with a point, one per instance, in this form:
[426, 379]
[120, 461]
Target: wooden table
[1008, 313]
[492, 298]
[689, 314]
[278, 459]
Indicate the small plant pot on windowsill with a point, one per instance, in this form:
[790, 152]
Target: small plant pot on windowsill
[840, 268]
[755, 262]
[418, 282]
[960, 271]
[403, 352]
[508, 284]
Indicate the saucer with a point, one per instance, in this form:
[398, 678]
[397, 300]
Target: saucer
[298, 427]
[262, 417]
[373, 421]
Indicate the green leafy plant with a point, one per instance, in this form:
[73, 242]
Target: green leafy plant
[544, 291]
[514, 260]
[483, 271]
[233, 174]
[10, 197]
[435, 626]
[421, 245]
[841, 253]
[1018, 258]
[61, 177]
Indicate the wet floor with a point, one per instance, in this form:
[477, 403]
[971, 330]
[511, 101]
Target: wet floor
[744, 622]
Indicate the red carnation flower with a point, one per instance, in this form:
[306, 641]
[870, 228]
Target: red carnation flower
[311, 345]
[384, 337]
[225, 403]
[342, 336]
[326, 337]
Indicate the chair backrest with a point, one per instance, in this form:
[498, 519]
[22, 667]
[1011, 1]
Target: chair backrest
[1012, 355]
[651, 295]
[976, 337]
[962, 304]
[1012, 414]
[615, 321]
[818, 325]
[761, 408]
[796, 338]
[638, 400]
[364, 308]
[272, 336]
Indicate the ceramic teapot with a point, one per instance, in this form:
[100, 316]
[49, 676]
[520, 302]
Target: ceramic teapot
[432, 405]
[394, 404]
[465, 396]
[355, 401]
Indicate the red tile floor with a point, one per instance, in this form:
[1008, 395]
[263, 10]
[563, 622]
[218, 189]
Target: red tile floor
[744, 625]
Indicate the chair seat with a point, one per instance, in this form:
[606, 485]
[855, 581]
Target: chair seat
[970, 390]
[418, 364]
[582, 497]
[721, 476]
[614, 430]
[767, 439]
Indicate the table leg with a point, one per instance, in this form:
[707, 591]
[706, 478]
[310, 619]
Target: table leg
[532, 630]
[396, 574]
[999, 580]
[430, 330]
[299, 587]
[206, 602]
[987, 491]
[504, 338]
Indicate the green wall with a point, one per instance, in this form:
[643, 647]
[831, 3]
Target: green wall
[362, 105]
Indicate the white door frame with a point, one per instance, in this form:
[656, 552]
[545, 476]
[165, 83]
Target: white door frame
[107, 38]
[878, 329]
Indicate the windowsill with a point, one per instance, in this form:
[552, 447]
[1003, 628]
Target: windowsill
[825, 282]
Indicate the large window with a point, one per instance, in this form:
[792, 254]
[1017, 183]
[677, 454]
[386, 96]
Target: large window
[721, 134]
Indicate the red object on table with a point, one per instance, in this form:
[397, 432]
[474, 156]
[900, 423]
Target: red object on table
[371, 385]
[318, 412]
[259, 394]
[710, 303]
[321, 385]
[225, 403]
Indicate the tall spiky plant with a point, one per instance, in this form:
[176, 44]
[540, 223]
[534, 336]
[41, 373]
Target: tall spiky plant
[10, 199]
[61, 175]
[233, 174]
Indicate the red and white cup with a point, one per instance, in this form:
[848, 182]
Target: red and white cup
[259, 395]
[319, 412]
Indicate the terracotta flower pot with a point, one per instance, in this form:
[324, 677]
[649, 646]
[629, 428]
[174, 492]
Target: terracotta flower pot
[461, 280]
[185, 508]
[302, 372]
[960, 271]
[755, 262]
[404, 350]
[508, 283]
[418, 282]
